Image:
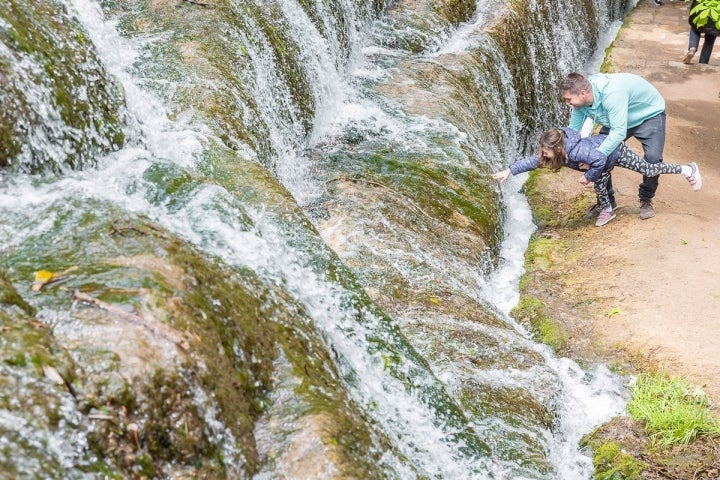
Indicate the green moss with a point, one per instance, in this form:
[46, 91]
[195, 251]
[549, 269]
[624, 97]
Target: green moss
[535, 98]
[551, 333]
[170, 184]
[546, 214]
[611, 463]
[540, 253]
[444, 192]
[17, 360]
[539, 257]
[525, 280]
[528, 307]
[9, 296]
[145, 462]
[541, 210]
[84, 96]
[455, 11]
[521, 412]
[531, 311]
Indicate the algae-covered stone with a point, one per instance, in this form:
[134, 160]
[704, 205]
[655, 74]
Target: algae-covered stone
[61, 109]
[175, 358]
[9, 295]
[455, 11]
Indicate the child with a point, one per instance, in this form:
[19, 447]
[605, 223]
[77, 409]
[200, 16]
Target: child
[564, 147]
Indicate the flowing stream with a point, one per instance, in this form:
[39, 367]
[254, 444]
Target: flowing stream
[367, 133]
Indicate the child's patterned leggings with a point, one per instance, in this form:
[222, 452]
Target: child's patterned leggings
[632, 161]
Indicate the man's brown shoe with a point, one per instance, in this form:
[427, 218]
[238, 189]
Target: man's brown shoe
[646, 209]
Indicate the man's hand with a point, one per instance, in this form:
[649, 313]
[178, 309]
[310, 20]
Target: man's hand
[584, 181]
[502, 175]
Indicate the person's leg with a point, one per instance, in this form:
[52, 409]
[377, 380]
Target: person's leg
[601, 191]
[693, 39]
[693, 43]
[610, 189]
[606, 210]
[632, 161]
[609, 194]
[707, 48]
[651, 134]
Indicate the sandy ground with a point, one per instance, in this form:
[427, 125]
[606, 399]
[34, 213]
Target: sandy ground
[661, 275]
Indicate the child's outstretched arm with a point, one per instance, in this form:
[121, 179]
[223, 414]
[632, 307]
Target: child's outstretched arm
[523, 165]
[502, 175]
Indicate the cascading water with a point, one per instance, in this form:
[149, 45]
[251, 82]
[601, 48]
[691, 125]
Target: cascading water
[389, 252]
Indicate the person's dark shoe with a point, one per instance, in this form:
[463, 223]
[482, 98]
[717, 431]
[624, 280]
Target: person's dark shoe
[646, 209]
[658, 2]
[595, 210]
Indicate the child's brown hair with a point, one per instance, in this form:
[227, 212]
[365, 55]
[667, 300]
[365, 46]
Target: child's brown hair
[555, 140]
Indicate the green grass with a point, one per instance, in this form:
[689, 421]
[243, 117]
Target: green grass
[674, 411]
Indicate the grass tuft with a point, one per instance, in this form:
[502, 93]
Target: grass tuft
[674, 411]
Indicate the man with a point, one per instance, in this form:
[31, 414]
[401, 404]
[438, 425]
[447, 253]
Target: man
[626, 105]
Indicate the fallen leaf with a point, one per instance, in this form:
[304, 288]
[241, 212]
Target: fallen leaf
[53, 374]
[613, 311]
[42, 278]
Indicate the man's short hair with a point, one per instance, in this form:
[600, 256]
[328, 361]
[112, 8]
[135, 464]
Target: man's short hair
[574, 82]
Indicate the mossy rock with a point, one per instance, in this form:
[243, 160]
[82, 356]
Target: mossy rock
[175, 358]
[455, 11]
[81, 107]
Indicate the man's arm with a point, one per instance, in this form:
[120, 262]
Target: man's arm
[577, 118]
[616, 106]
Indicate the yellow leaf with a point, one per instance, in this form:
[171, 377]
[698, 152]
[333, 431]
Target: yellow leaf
[42, 278]
[613, 311]
[684, 242]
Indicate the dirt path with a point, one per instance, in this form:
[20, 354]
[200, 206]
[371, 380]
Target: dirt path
[661, 274]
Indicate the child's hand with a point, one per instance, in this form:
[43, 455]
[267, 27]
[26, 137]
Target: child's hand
[584, 181]
[502, 175]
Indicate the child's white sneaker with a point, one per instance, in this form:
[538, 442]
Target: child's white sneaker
[695, 180]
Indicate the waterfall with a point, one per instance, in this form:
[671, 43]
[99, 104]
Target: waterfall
[332, 159]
